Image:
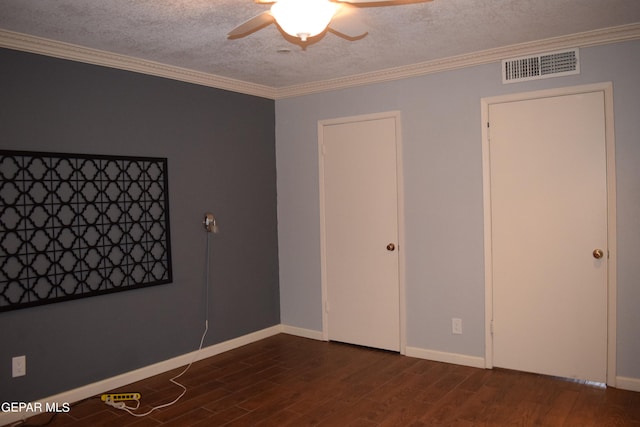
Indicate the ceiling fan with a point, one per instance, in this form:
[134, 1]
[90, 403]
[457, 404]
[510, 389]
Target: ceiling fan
[308, 18]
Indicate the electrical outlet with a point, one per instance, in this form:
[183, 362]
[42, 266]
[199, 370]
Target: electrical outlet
[19, 366]
[456, 326]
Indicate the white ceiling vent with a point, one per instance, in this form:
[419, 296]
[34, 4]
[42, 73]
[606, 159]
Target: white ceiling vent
[541, 66]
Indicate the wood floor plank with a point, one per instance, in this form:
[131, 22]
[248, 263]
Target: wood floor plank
[278, 419]
[559, 408]
[222, 418]
[474, 409]
[189, 418]
[192, 400]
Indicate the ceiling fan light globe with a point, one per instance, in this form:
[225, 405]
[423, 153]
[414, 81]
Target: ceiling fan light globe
[303, 18]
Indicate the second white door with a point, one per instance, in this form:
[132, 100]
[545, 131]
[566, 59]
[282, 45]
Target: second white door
[359, 208]
[549, 235]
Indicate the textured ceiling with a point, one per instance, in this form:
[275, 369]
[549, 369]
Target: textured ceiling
[192, 33]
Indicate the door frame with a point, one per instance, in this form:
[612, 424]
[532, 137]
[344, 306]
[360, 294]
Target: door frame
[607, 89]
[400, 209]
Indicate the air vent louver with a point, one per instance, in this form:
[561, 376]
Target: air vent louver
[540, 66]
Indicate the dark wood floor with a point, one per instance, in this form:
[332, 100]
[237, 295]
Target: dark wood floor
[291, 381]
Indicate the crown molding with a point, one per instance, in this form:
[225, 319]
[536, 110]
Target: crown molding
[585, 39]
[42, 46]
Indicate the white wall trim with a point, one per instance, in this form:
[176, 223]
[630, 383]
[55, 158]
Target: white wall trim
[626, 383]
[107, 384]
[441, 356]
[42, 46]
[301, 332]
[585, 39]
[56, 49]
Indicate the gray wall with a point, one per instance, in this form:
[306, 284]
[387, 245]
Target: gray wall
[443, 195]
[221, 158]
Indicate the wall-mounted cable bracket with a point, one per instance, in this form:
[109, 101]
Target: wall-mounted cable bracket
[210, 223]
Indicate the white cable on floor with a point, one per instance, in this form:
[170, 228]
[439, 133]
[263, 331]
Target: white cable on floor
[122, 406]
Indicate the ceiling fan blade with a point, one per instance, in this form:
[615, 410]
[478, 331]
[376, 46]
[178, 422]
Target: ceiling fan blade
[348, 23]
[252, 25]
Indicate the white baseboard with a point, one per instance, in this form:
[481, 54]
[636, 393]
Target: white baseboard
[99, 387]
[626, 383]
[441, 356]
[301, 332]
[437, 356]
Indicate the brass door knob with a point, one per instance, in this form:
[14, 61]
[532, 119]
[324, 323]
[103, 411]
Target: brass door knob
[391, 247]
[598, 253]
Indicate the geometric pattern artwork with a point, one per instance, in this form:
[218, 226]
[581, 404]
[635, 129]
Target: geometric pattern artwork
[74, 226]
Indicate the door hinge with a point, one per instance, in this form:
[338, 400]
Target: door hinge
[491, 327]
[323, 149]
[326, 306]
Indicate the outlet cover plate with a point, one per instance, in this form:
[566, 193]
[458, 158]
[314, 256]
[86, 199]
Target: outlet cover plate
[456, 326]
[19, 366]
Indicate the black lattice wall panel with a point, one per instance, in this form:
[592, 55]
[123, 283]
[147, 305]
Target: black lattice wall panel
[73, 226]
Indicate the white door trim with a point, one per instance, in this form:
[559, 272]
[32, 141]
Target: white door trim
[401, 229]
[607, 88]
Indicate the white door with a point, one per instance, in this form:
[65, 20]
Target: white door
[359, 198]
[548, 216]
